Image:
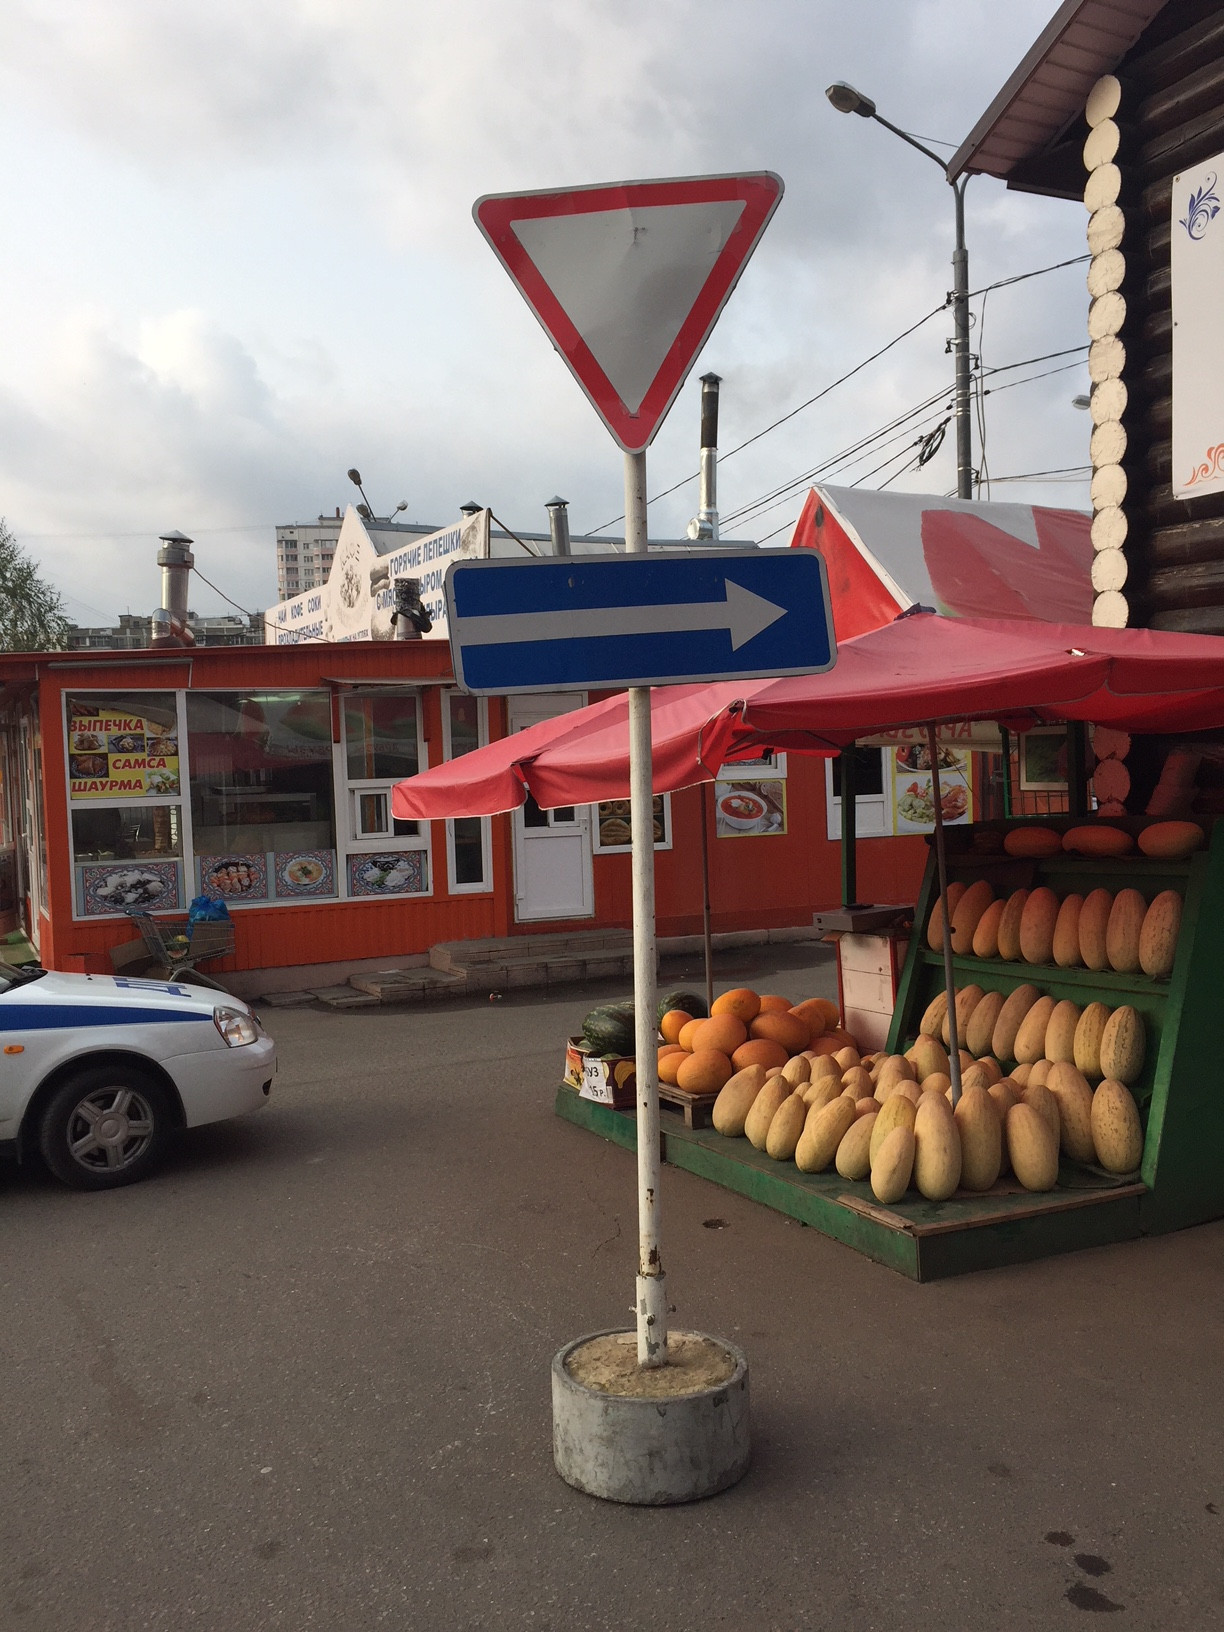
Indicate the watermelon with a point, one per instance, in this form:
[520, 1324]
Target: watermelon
[688, 1001]
[609, 1029]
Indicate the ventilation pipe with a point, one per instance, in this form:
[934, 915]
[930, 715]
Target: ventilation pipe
[169, 622]
[558, 525]
[705, 526]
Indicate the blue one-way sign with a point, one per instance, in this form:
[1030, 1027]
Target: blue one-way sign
[638, 620]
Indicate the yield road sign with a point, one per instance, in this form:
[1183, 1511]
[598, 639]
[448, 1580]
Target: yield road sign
[629, 279]
[630, 620]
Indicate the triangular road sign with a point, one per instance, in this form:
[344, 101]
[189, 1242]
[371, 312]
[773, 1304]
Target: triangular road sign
[629, 279]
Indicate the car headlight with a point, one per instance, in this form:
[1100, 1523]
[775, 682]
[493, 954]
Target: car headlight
[236, 1028]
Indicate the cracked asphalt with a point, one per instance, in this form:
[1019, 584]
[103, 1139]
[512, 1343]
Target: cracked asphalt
[299, 1380]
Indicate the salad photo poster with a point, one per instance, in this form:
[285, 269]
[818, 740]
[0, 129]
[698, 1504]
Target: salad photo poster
[913, 799]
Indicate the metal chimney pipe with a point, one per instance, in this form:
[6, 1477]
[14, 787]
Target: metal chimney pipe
[176, 561]
[558, 525]
[707, 514]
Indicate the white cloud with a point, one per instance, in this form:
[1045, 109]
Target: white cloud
[247, 257]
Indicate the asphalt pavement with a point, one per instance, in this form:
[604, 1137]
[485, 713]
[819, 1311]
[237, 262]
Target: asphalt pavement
[300, 1380]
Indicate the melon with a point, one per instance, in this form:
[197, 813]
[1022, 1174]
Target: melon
[788, 1029]
[967, 999]
[1032, 1148]
[1117, 1133]
[1011, 1016]
[823, 1132]
[977, 1076]
[1009, 925]
[1037, 925]
[764, 1108]
[798, 1070]
[937, 1083]
[707, 1071]
[982, 1022]
[907, 1090]
[986, 935]
[1097, 839]
[757, 1052]
[932, 1020]
[892, 1165]
[853, 1159]
[935, 922]
[1060, 1033]
[735, 1100]
[821, 1092]
[1019, 1074]
[865, 1107]
[1086, 1053]
[1170, 841]
[1093, 924]
[785, 1128]
[1070, 1088]
[1123, 931]
[896, 1068]
[927, 1055]
[977, 1123]
[1038, 1097]
[897, 1112]
[1005, 1095]
[1030, 1039]
[847, 1057]
[1123, 1045]
[1066, 945]
[966, 914]
[858, 1082]
[1158, 935]
[937, 1152]
[1037, 842]
[1039, 1071]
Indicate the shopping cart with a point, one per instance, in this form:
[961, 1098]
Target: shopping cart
[176, 945]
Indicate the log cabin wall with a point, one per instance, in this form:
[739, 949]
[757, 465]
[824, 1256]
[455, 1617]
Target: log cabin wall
[1159, 561]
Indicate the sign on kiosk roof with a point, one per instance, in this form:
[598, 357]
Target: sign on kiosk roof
[628, 279]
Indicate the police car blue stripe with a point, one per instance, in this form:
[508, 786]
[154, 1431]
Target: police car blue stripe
[56, 1016]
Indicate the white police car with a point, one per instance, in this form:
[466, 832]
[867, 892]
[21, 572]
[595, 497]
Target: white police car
[98, 1072]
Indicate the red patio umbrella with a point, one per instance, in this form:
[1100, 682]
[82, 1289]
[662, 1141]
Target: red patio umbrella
[920, 669]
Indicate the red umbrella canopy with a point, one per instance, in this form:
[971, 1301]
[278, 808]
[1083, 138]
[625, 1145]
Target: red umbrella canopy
[924, 668]
[919, 669]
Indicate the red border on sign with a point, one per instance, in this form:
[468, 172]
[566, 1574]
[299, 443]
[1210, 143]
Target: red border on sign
[496, 213]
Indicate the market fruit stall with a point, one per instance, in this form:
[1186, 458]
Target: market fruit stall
[1085, 959]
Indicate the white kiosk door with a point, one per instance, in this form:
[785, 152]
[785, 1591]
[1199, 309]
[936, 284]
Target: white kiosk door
[552, 848]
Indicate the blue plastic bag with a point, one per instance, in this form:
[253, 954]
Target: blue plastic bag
[207, 909]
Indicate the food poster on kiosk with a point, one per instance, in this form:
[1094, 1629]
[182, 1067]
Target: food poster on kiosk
[908, 782]
[115, 754]
[750, 798]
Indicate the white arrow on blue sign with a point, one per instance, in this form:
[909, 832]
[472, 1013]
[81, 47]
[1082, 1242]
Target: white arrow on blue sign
[574, 622]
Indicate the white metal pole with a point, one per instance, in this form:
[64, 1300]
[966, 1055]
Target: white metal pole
[651, 1282]
[941, 862]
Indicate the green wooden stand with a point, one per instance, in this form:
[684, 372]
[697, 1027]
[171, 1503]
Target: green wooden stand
[1180, 1091]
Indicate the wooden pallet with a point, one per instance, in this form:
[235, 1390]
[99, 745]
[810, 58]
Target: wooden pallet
[695, 1108]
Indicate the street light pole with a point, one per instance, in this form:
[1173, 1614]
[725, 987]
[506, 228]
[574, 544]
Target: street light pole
[847, 100]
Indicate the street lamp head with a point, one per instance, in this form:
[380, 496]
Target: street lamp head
[847, 100]
[354, 476]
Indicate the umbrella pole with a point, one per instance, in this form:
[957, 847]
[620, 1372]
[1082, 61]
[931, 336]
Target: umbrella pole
[707, 939]
[941, 861]
[651, 1283]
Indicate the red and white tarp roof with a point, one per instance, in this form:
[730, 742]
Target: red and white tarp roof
[964, 558]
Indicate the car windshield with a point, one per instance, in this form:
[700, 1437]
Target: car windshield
[10, 977]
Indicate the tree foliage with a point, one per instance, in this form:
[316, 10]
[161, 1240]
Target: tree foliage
[32, 616]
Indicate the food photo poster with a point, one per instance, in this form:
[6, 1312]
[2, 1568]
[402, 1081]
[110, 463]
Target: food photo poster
[913, 793]
[749, 809]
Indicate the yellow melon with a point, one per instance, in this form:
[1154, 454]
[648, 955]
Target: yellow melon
[892, 1165]
[1170, 841]
[968, 911]
[765, 1107]
[1032, 1148]
[1097, 839]
[1038, 1097]
[1117, 1133]
[735, 1100]
[1123, 1045]
[897, 1112]
[1071, 1090]
[977, 1122]
[986, 935]
[1060, 1032]
[706, 1071]
[967, 999]
[823, 1132]
[937, 1151]
[1009, 925]
[1158, 935]
[931, 1024]
[742, 1002]
[1037, 925]
[1030, 1039]
[853, 1159]
[1011, 1016]
[982, 1022]
[1037, 842]
[1066, 945]
[1123, 931]
[785, 1127]
[1093, 926]
[1086, 1052]
[935, 926]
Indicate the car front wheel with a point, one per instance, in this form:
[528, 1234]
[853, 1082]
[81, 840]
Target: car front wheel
[105, 1126]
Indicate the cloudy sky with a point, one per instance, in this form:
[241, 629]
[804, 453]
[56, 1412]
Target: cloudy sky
[238, 257]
